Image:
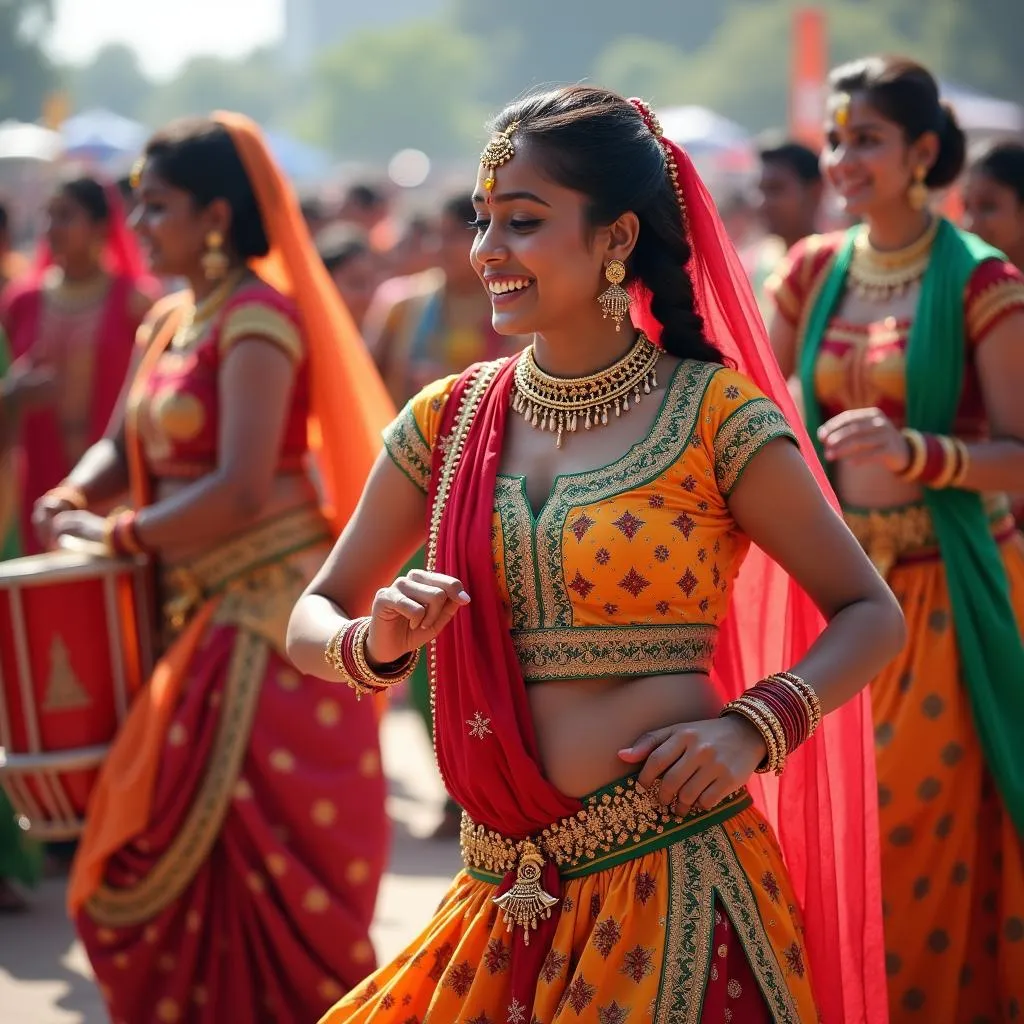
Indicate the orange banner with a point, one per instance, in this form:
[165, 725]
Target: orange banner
[809, 70]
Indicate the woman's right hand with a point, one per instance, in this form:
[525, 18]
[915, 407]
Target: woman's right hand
[45, 510]
[411, 612]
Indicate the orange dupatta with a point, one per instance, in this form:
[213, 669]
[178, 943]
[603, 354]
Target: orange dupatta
[349, 407]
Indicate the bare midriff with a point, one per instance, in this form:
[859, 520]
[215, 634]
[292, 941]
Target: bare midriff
[581, 725]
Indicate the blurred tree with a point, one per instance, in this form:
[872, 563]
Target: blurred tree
[252, 85]
[114, 80]
[538, 42]
[407, 87]
[26, 75]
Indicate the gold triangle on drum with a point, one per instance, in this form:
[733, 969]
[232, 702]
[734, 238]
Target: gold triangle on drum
[64, 692]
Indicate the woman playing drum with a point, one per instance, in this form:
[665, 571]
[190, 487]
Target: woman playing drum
[220, 875]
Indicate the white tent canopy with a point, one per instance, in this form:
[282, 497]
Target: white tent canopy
[22, 141]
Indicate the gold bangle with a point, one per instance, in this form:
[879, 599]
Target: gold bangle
[369, 675]
[778, 731]
[949, 465]
[918, 454]
[807, 695]
[963, 466]
[774, 762]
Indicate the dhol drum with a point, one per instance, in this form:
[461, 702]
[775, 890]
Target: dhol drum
[75, 646]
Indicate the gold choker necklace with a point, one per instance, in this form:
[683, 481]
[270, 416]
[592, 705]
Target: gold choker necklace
[879, 276]
[200, 313]
[558, 403]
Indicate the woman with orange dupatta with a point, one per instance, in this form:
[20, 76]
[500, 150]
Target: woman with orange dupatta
[605, 679]
[71, 324]
[237, 834]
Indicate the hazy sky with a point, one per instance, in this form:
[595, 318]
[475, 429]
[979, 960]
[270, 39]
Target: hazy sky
[165, 33]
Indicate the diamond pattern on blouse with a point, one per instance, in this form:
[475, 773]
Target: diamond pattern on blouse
[629, 524]
[662, 553]
[580, 525]
[635, 584]
[581, 585]
[603, 556]
[688, 583]
[684, 524]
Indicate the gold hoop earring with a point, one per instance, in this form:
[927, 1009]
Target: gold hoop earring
[615, 300]
[215, 261]
[917, 194]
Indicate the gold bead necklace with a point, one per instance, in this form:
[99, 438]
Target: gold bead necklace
[559, 404]
[879, 275]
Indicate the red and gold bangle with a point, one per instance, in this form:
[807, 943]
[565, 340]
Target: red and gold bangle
[121, 537]
[70, 494]
[759, 716]
[346, 654]
[918, 454]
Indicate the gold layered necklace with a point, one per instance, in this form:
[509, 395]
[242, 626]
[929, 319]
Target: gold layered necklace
[878, 275]
[197, 316]
[559, 404]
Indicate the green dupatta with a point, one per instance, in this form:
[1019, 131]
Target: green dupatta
[989, 642]
[10, 539]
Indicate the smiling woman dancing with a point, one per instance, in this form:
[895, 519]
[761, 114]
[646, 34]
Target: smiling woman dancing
[576, 596]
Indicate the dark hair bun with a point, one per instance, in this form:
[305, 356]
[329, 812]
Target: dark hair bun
[198, 156]
[952, 151]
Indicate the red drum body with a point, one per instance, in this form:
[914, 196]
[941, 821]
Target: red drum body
[75, 646]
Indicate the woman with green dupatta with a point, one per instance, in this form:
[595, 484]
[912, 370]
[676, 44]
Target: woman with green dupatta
[908, 338]
[20, 860]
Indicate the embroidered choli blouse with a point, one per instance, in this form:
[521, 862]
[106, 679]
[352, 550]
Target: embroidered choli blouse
[864, 365]
[179, 409]
[627, 569]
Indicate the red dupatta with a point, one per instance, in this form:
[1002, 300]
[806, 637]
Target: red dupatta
[824, 807]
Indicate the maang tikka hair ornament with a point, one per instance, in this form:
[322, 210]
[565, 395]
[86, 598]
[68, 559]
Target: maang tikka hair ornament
[496, 153]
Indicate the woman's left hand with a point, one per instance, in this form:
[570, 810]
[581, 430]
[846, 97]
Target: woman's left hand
[697, 762]
[82, 525]
[865, 435]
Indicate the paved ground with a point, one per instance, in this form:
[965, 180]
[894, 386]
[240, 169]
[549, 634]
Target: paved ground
[44, 975]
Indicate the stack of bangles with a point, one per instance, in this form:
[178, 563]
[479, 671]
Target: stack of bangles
[120, 537]
[785, 710]
[935, 460]
[346, 654]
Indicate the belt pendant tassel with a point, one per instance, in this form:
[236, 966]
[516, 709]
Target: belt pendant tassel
[526, 902]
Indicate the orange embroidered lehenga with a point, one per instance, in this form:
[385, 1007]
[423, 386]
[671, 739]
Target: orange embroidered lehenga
[952, 863]
[626, 570]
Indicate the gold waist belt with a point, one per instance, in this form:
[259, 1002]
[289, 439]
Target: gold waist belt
[189, 583]
[617, 823]
[889, 535]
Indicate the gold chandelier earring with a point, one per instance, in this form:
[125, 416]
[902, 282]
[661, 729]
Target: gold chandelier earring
[215, 260]
[615, 300]
[917, 194]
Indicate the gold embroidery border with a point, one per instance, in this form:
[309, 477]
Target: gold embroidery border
[747, 430]
[594, 652]
[257, 320]
[704, 867]
[986, 307]
[451, 457]
[175, 870]
[646, 460]
[408, 448]
[516, 518]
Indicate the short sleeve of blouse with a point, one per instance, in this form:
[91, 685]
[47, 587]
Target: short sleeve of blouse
[790, 285]
[737, 421]
[994, 292]
[255, 318]
[410, 437]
